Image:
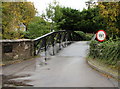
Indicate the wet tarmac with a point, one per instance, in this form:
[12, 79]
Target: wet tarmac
[68, 68]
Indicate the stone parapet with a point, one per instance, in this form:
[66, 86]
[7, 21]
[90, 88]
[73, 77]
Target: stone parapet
[17, 49]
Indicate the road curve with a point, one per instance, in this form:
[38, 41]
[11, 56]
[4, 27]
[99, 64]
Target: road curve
[69, 69]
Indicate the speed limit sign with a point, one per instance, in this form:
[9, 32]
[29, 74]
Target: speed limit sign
[101, 35]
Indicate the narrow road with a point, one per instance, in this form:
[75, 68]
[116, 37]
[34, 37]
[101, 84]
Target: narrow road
[67, 69]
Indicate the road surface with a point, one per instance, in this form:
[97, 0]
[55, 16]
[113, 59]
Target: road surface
[66, 69]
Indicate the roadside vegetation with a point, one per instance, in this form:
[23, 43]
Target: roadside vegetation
[108, 52]
[85, 36]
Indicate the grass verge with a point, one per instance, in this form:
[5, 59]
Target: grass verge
[106, 70]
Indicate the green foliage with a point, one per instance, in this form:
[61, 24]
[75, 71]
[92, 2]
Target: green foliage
[108, 51]
[14, 35]
[37, 28]
[105, 15]
[85, 36]
[66, 18]
[53, 14]
[69, 19]
[111, 13]
[13, 14]
[89, 36]
[87, 20]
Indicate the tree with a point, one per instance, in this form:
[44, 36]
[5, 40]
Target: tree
[87, 20]
[53, 14]
[37, 27]
[13, 14]
[69, 19]
[110, 12]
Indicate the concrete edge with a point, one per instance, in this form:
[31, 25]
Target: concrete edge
[17, 40]
[100, 70]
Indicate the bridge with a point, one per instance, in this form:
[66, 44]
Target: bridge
[60, 62]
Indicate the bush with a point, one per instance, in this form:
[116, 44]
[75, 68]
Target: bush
[108, 51]
[85, 36]
[89, 36]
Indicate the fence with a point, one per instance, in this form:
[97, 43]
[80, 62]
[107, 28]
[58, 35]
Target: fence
[27, 48]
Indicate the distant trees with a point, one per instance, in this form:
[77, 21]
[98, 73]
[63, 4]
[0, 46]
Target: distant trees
[66, 18]
[87, 20]
[70, 19]
[53, 14]
[13, 14]
[37, 27]
[104, 16]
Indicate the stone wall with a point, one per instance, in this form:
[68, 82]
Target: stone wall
[17, 49]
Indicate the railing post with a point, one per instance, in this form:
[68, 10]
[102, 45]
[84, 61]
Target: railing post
[34, 48]
[62, 39]
[53, 44]
[59, 41]
[45, 48]
[66, 39]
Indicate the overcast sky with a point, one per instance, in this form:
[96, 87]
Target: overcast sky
[75, 4]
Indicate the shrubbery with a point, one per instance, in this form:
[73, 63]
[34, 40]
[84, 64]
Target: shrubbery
[108, 51]
[85, 36]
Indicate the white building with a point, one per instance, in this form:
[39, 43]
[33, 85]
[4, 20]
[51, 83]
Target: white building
[22, 27]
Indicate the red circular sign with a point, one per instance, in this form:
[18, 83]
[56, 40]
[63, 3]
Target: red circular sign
[101, 35]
